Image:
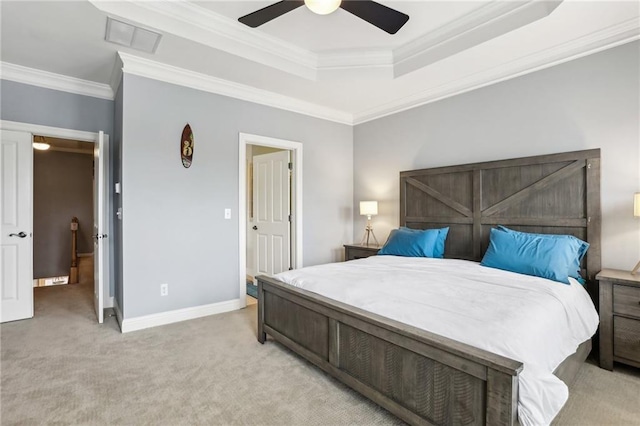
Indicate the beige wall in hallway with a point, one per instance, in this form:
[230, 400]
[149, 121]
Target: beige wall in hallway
[62, 189]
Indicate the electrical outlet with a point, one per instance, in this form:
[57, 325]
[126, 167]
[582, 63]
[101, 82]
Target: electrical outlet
[164, 289]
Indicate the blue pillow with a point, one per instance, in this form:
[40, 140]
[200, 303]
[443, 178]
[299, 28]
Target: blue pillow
[574, 267]
[438, 248]
[532, 254]
[411, 243]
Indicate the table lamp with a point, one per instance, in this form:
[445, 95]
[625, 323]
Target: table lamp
[636, 213]
[368, 208]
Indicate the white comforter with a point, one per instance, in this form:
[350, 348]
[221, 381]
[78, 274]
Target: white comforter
[533, 320]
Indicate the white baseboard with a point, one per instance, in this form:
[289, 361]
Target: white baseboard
[163, 318]
[118, 312]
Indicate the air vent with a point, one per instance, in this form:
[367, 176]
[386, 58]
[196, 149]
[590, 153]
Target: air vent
[125, 34]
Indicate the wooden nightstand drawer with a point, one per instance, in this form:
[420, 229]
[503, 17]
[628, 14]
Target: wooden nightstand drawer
[626, 338]
[626, 300]
[355, 251]
[619, 318]
[359, 254]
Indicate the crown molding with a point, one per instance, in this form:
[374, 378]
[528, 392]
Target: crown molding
[616, 35]
[49, 80]
[472, 29]
[182, 77]
[354, 58]
[196, 23]
[70, 150]
[199, 24]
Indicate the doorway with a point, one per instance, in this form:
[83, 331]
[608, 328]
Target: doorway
[62, 211]
[268, 214]
[270, 207]
[17, 215]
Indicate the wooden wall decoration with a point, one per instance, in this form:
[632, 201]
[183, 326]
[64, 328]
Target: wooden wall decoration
[186, 146]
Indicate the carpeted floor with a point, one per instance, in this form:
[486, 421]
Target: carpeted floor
[62, 367]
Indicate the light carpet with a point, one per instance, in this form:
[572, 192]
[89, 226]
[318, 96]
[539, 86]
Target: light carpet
[61, 367]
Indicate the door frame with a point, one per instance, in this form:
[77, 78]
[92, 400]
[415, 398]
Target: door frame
[79, 135]
[296, 201]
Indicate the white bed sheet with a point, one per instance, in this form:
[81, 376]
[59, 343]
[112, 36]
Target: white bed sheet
[533, 320]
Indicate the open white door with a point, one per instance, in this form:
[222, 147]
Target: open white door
[271, 200]
[16, 211]
[100, 259]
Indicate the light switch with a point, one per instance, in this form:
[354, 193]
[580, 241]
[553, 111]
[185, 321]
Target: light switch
[227, 213]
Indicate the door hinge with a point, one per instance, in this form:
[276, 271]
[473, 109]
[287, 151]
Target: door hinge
[289, 218]
[290, 166]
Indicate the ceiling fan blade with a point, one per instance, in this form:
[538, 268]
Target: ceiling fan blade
[266, 14]
[383, 17]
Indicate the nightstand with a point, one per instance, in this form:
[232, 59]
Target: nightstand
[357, 251]
[619, 318]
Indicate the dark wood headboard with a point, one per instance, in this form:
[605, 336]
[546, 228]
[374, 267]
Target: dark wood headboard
[550, 194]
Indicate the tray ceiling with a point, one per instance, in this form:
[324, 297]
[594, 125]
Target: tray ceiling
[337, 65]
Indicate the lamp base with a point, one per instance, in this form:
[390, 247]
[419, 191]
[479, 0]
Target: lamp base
[635, 270]
[368, 232]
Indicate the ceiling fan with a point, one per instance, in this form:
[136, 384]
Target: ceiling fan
[383, 17]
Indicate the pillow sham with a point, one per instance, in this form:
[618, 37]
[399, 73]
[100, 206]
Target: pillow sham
[438, 248]
[414, 243]
[532, 254]
[574, 267]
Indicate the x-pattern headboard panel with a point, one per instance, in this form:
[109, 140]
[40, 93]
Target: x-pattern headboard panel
[551, 194]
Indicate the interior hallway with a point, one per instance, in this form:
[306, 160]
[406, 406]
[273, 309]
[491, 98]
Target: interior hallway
[63, 367]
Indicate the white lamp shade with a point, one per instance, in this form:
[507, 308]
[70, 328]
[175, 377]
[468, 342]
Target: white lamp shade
[636, 204]
[368, 208]
[322, 7]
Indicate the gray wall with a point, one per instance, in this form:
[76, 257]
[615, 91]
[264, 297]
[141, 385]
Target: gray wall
[47, 107]
[62, 189]
[174, 229]
[591, 102]
[36, 105]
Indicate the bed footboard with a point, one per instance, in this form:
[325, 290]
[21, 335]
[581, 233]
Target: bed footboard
[420, 377]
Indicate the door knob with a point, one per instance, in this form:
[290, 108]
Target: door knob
[255, 228]
[19, 234]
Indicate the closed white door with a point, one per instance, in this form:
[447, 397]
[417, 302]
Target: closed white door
[271, 200]
[16, 264]
[100, 231]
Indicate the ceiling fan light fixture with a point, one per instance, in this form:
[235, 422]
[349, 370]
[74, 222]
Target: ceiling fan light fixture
[322, 7]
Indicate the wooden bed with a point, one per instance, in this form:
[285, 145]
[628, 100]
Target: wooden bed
[421, 377]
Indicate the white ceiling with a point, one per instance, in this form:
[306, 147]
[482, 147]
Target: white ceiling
[342, 30]
[67, 145]
[338, 62]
